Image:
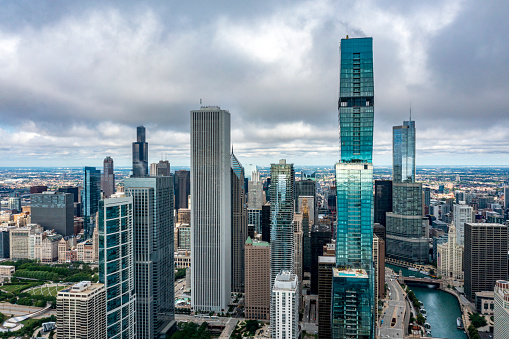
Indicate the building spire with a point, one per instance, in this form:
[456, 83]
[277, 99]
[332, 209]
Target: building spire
[410, 111]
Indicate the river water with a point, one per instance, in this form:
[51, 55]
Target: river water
[441, 307]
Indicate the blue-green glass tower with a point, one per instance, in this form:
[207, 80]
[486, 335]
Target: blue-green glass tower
[353, 281]
[90, 197]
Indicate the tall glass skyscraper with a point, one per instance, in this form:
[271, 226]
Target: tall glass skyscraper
[239, 225]
[353, 278]
[406, 229]
[154, 273]
[116, 265]
[91, 194]
[282, 208]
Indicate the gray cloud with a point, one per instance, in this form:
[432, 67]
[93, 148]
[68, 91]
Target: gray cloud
[76, 79]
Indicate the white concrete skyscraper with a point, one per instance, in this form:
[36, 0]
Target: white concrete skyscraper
[211, 238]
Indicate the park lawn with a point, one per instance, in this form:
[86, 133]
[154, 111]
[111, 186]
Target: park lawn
[10, 288]
[47, 291]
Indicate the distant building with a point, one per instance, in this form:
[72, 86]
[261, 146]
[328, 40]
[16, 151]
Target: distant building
[257, 275]
[238, 223]
[46, 247]
[160, 169]
[285, 298]
[108, 178]
[75, 191]
[21, 241]
[320, 236]
[184, 237]
[501, 328]
[265, 223]
[14, 204]
[462, 214]
[81, 312]
[53, 210]
[450, 257]
[485, 257]
[38, 189]
[383, 200]
[4, 244]
[255, 192]
[307, 188]
[63, 247]
[6, 272]
[140, 154]
[90, 196]
[182, 190]
[379, 265]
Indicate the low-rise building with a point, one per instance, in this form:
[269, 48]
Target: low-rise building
[6, 272]
[182, 259]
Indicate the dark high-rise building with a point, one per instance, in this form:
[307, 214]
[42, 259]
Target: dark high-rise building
[379, 231]
[383, 200]
[353, 299]
[406, 229]
[153, 244]
[4, 245]
[53, 210]
[320, 236]
[140, 154]
[239, 225]
[75, 191]
[265, 222]
[325, 266]
[427, 196]
[266, 189]
[38, 189]
[182, 189]
[90, 196]
[162, 168]
[485, 257]
[108, 178]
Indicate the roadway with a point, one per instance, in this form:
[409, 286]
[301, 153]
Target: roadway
[393, 325]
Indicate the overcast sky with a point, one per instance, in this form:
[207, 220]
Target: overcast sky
[77, 77]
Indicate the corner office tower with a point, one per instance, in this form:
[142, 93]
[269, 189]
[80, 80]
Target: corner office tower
[211, 234]
[352, 279]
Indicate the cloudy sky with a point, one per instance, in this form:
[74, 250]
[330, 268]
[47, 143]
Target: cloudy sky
[77, 77]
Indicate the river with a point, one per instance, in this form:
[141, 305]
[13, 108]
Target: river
[441, 307]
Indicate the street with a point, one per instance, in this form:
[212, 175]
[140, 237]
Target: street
[394, 314]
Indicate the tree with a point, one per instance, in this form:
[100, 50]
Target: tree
[477, 320]
[420, 319]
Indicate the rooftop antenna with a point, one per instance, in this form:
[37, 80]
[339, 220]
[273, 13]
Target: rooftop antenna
[200, 101]
[410, 112]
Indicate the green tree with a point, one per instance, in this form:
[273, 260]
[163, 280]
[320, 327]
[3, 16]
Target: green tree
[420, 319]
[477, 320]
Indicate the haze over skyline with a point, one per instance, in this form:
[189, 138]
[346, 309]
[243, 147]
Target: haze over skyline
[76, 78]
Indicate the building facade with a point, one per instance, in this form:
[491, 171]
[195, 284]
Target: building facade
[154, 273]
[501, 327]
[407, 232]
[116, 265]
[239, 224]
[450, 257]
[485, 257]
[81, 311]
[325, 266]
[182, 189]
[285, 298]
[211, 236]
[462, 214]
[53, 210]
[354, 185]
[140, 154]
[90, 196]
[383, 200]
[108, 178]
[257, 275]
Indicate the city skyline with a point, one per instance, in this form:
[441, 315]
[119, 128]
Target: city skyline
[424, 55]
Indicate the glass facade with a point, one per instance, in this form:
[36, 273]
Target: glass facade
[406, 230]
[281, 215]
[403, 152]
[116, 265]
[90, 197]
[353, 279]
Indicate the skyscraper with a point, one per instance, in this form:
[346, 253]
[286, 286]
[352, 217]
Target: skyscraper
[462, 214]
[353, 278]
[501, 323]
[53, 210]
[108, 178]
[153, 254]
[307, 188]
[281, 215]
[257, 276]
[383, 200]
[90, 196]
[162, 168]
[285, 298]
[484, 257]
[211, 237]
[406, 229]
[116, 265]
[265, 222]
[140, 154]
[182, 189]
[239, 224]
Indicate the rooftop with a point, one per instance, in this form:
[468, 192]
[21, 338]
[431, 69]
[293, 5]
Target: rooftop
[349, 273]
